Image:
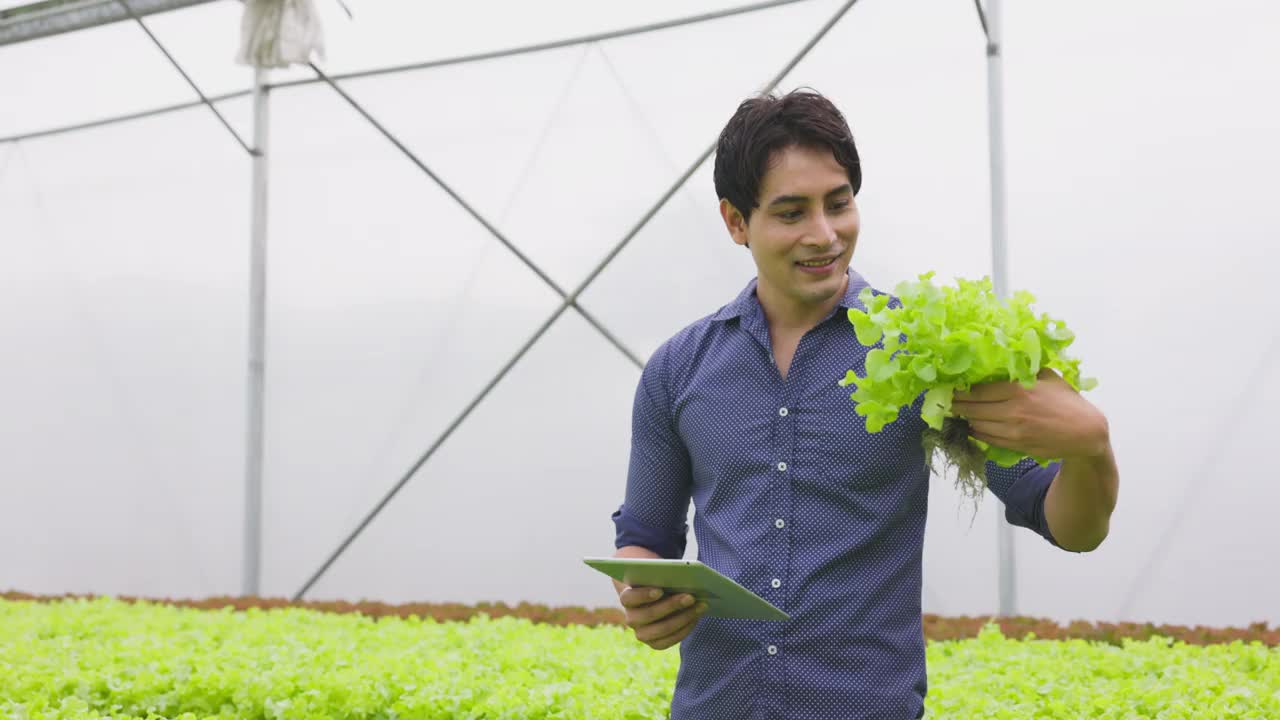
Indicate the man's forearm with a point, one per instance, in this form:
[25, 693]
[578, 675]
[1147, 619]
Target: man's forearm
[632, 551]
[1081, 499]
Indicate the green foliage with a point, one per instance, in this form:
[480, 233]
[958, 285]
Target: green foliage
[94, 659]
[90, 659]
[942, 339]
[994, 677]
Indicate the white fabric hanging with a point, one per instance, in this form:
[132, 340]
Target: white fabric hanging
[279, 33]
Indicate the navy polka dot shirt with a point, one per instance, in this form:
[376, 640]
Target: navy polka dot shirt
[796, 501]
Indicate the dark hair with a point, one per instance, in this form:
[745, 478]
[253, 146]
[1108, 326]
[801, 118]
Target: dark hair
[765, 124]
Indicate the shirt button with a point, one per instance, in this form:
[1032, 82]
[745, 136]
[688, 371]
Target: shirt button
[782, 467]
[773, 649]
[779, 523]
[782, 412]
[776, 583]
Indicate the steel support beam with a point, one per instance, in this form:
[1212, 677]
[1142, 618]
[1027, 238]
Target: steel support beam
[254, 433]
[1006, 557]
[54, 17]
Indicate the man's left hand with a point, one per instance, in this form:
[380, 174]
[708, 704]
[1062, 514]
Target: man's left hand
[1051, 420]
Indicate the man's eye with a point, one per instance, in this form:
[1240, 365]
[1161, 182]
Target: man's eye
[841, 205]
[791, 214]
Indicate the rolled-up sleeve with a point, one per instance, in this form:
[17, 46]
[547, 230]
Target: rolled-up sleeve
[654, 511]
[1023, 488]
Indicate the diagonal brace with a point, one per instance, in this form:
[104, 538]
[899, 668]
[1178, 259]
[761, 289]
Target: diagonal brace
[125, 4]
[635, 360]
[992, 47]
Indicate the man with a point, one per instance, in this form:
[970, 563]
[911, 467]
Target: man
[741, 412]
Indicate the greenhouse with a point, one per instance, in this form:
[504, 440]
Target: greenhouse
[353, 308]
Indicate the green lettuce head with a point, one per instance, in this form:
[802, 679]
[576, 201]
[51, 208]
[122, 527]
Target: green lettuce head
[937, 340]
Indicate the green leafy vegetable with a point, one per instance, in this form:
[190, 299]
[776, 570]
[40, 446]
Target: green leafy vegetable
[937, 340]
[103, 658]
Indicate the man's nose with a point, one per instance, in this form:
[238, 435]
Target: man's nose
[822, 232]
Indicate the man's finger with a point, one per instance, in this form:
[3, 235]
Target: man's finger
[669, 626]
[674, 638]
[639, 596]
[987, 392]
[974, 410]
[668, 607]
[992, 428]
[652, 613]
[987, 436]
[653, 631]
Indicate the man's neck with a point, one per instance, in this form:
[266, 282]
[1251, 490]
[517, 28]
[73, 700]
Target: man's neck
[785, 315]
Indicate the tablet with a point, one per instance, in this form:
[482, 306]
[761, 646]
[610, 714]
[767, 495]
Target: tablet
[724, 597]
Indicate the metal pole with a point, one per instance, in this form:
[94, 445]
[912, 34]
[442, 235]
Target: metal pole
[999, 265]
[257, 341]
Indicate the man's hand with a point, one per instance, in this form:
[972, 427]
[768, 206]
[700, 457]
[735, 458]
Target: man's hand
[1050, 420]
[658, 621]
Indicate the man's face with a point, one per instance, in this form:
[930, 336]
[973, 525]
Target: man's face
[803, 233]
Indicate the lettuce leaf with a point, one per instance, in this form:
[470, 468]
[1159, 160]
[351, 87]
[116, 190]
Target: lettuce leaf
[937, 340]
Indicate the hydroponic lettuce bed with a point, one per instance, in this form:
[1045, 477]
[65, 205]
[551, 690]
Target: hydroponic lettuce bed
[936, 627]
[107, 657]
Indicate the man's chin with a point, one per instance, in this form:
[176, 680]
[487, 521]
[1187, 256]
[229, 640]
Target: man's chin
[835, 284]
[818, 293]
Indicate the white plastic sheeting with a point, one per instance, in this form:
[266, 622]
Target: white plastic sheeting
[1141, 155]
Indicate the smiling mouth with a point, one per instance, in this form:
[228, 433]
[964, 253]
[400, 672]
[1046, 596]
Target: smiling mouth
[819, 263]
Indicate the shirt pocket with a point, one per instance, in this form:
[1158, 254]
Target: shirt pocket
[853, 459]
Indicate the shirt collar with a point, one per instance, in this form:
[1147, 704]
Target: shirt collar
[746, 304]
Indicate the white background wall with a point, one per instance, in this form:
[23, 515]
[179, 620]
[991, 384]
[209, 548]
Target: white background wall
[1142, 154]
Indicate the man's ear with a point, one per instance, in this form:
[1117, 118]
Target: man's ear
[734, 222]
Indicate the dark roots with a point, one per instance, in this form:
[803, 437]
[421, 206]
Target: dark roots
[958, 451]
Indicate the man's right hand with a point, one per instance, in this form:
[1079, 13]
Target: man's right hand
[659, 621]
